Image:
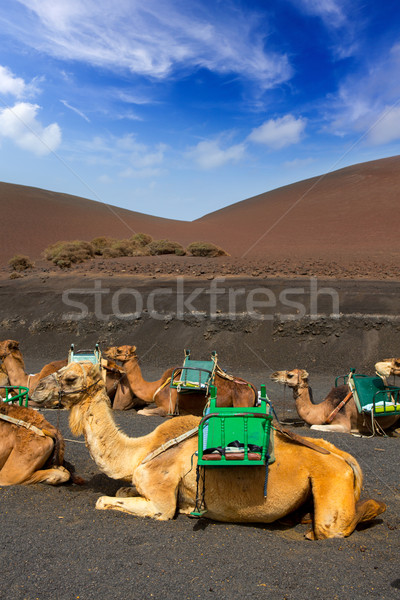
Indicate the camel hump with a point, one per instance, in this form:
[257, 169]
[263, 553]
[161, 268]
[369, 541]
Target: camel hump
[175, 427]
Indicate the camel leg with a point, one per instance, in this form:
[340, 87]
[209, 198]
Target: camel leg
[25, 467]
[127, 492]
[336, 513]
[152, 412]
[158, 483]
[340, 428]
[53, 476]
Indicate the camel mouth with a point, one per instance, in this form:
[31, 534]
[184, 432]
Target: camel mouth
[276, 377]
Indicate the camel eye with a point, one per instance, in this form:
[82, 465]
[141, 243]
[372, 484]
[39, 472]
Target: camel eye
[70, 379]
[290, 376]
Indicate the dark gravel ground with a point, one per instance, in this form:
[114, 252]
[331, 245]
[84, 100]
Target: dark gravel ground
[55, 545]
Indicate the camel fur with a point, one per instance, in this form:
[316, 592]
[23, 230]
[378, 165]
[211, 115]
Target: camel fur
[232, 391]
[166, 484]
[347, 420]
[25, 456]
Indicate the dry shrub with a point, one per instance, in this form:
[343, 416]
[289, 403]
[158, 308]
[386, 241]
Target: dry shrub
[165, 247]
[101, 243]
[142, 239]
[124, 248]
[205, 249]
[20, 262]
[65, 254]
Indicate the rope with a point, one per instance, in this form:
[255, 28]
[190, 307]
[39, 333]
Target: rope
[173, 442]
[30, 426]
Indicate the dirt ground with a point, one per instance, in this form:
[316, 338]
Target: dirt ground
[54, 544]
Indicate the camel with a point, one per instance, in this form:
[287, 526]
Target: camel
[346, 420]
[30, 453]
[164, 483]
[232, 391]
[388, 366]
[14, 367]
[3, 380]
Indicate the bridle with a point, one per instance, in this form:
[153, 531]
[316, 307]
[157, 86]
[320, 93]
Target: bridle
[83, 389]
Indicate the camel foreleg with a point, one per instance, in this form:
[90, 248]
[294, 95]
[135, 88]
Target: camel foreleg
[139, 507]
[338, 427]
[152, 412]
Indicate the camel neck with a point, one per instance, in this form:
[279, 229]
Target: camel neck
[143, 389]
[309, 412]
[115, 453]
[15, 367]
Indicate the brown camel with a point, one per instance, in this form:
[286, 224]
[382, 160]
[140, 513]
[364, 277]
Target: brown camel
[232, 391]
[30, 455]
[3, 380]
[167, 482]
[346, 420]
[14, 366]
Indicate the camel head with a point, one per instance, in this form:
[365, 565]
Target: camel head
[69, 385]
[293, 378]
[7, 347]
[121, 353]
[388, 366]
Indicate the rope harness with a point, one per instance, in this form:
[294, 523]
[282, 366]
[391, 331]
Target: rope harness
[30, 426]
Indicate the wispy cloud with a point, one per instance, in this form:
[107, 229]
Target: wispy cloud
[75, 110]
[154, 38]
[332, 12]
[367, 101]
[20, 124]
[278, 133]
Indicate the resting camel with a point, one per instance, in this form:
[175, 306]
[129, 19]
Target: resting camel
[232, 391]
[388, 366]
[30, 455]
[346, 420]
[163, 484]
[14, 368]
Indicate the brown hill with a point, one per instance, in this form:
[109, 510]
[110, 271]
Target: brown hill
[352, 211]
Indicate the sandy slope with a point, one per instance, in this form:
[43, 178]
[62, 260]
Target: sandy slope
[349, 213]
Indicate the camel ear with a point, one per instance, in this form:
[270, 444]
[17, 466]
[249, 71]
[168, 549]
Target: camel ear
[94, 371]
[133, 349]
[304, 375]
[13, 345]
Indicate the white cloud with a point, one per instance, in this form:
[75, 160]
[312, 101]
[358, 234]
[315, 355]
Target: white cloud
[278, 133]
[367, 102]
[209, 154]
[330, 11]
[10, 84]
[20, 125]
[155, 37]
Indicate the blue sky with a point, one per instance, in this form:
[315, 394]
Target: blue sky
[179, 107]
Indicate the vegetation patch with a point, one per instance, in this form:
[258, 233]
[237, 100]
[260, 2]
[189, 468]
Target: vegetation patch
[165, 247]
[20, 262]
[65, 254]
[205, 249]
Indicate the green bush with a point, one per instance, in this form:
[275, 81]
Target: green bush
[205, 249]
[165, 247]
[20, 262]
[65, 254]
